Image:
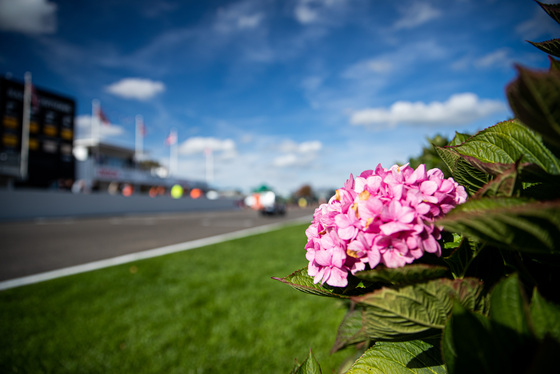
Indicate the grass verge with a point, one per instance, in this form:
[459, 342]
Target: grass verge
[209, 310]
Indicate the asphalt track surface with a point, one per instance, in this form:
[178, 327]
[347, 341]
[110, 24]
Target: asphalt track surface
[39, 246]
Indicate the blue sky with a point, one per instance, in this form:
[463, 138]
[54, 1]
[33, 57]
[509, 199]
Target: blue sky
[286, 92]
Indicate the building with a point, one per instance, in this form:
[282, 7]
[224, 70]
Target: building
[36, 135]
[110, 168]
[38, 149]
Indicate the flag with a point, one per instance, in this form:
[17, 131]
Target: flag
[171, 138]
[140, 133]
[103, 117]
[34, 98]
[142, 128]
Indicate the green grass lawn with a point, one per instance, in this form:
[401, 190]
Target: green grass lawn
[209, 310]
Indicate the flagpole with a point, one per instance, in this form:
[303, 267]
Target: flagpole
[95, 131]
[173, 152]
[209, 165]
[24, 158]
[139, 138]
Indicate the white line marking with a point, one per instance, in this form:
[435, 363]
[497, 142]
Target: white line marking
[96, 265]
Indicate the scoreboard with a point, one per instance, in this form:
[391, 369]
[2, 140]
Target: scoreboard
[51, 135]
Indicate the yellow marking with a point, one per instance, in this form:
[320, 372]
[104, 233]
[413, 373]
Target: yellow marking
[354, 207]
[10, 122]
[364, 195]
[10, 140]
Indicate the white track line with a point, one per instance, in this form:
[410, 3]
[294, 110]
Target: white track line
[23, 281]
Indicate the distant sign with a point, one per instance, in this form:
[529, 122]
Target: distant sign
[51, 134]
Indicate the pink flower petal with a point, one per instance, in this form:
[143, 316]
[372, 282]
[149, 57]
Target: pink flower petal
[428, 187]
[418, 175]
[338, 257]
[373, 258]
[431, 245]
[447, 186]
[337, 278]
[320, 275]
[391, 228]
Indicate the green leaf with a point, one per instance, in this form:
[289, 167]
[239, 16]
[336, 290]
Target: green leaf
[509, 310]
[534, 98]
[409, 274]
[461, 258]
[545, 316]
[301, 281]
[497, 148]
[503, 185]
[416, 356]
[458, 139]
[351, 330]
[552, 47]
[468, 345]
[510, 223]
[504, 342]
[309, 366]
[415, 311]
[554, 64]
[463, 172]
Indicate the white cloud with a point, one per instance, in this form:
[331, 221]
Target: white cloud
[313, 11]
[28, 16]
[136, 88]
[379, 65]
[305, 147]
[83, 127]
[415, 15]
[297, 154]
[312, 82]
[239, 16]
[249, 21]
[289, 159]
[500, 57]
[312, 146]
[199, 144]
[458, 109]
[400, 60]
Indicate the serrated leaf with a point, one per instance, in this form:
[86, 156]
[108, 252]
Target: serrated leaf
[309, 366]
[499, 147]
[409, 274]
[303, 282]
[510, 223]
[463, 173]
[534, 98]
[552, 47]
[553, 10]
[503, 185]
[458, 139]
[416, 356]
[418, 310]
[545, 316]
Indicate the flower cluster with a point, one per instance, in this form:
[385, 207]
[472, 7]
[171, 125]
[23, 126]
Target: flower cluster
[384, 216]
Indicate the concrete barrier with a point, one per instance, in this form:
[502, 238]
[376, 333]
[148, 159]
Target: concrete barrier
[17, 205]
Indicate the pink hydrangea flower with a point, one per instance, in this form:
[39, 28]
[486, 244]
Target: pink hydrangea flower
[383, 216]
